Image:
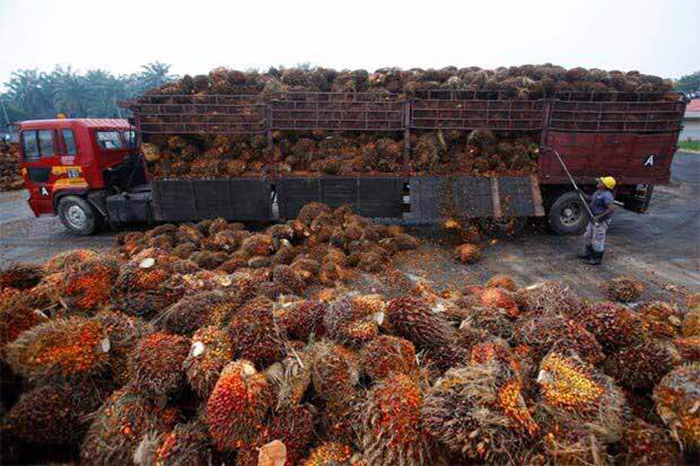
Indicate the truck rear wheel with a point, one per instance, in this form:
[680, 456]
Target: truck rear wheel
[77, 215]
[567, 216]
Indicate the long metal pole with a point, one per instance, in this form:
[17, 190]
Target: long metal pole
[571, 178]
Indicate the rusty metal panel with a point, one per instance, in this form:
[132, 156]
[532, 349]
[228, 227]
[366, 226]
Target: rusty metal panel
[625, 117]
[503, 115]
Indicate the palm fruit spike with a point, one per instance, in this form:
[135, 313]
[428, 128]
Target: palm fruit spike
[66, 261]
[386, 354]
[71, 349]
[660, 320]
[334, 370]
[640, 366]
[237, 406]
[568, 442]
[20, 276]
[88, 286]
[572, 389]
[541, 333]
[549, 298]
[415, 321]
[348, 323]
[156, 364]
[478, 411]
[119, 426]
[329, 454]
[302, 319]
[392, 432]
[645, 444]
[189, 313]
[254, 334]
[624, 290]
[186, 444]
[613, 326]
[691, 323]
[55, 413]
[124, 333]
[209, 354]
[677, 398]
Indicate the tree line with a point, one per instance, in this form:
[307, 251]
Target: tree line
[32, 94]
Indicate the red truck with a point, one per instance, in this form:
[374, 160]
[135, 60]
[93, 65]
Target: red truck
[90, 171]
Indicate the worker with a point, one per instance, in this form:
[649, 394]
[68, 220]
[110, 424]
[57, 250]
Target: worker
[602, 206]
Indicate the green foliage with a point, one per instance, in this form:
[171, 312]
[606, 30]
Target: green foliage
[689, 82]
[690, 144]
[32, 94]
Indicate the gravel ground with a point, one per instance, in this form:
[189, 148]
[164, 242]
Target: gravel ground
[662, 248]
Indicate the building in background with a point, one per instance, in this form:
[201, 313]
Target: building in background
[691, 121]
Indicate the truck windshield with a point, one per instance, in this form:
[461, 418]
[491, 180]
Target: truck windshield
[130, 139]
[109, 140]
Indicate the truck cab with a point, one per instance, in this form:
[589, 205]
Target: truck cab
[71, 167]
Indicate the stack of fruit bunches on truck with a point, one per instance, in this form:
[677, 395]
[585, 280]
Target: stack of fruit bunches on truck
[480, 152]
[209, 344]
[10, 168]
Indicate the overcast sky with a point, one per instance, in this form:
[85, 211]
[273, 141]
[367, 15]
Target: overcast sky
[652, 36]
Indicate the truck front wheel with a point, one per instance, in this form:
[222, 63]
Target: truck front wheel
[77, 215]
[567, 216]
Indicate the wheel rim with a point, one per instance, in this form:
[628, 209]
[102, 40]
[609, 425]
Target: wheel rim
[76, 217]
[571, 214]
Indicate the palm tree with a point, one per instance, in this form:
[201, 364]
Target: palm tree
[31, 92]
[155, 74]
[72, 93]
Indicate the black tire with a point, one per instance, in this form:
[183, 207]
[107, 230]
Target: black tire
[77, 215]
[567, 216]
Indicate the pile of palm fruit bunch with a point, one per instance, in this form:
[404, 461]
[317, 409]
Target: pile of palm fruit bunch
[10, 167]
[480, 152]
[159, 354]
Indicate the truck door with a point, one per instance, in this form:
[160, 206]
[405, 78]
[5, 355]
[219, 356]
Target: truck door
[39, 155]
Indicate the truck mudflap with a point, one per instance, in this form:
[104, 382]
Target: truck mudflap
[245, 199]
[375, 197]
[438, 197]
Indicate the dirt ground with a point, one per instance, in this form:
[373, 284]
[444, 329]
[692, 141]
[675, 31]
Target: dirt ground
[662, 248]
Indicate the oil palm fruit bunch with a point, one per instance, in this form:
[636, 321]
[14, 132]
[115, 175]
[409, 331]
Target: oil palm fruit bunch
[156, 364]
[624, 290]
[187, 443]
[613, 326]
[549, 298]
[542, 333]
[691, 323]
[499, 298]
[55, 413]
[335, 369]
[20, 276]
[294, 427]
[392, 431]
[254, 334]
[19, 312]
[341, 418]
[688, 348]
[119, 426]
[478, 411]
[209, 354]
[660, 320]
[329, 454]
[189, 313]
[236, 409]
[495, 321]
[641, 366]
[302, 319]
[349, 323]
[647, 444]
[677, 398]
[502, 281]
[572, 390]
[290, 377]
[73, 348]
[468, 253]
[124, 333]
[414, 320]
[287, 277]
[387, 354]
[88, 285]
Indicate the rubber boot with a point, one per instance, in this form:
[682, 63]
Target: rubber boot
[587, 253]
[596, 258]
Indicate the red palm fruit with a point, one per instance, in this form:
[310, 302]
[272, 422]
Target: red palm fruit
[493, 320]
[613, 326]
[18, 313]
[67, 261]
[624, 290]
[676, 399]
[254, 334]
[500, 298]
[302, 319]
[258, 245]
[124, 334]
[640, 366]
[65, 349]
[342, 417]
[209, 354]
[146, 303]
[350, 323]
[467, 253]
[502, 281]
[56, 413]
[688, 348]
[120, 425]
[190, 313]
[20, 276]
[645, 444]
[335, 370]
[691, 323]
[186, 444]
[386, 354]
[542, 333]
[549, 298]
[660, 320]
[88, 286]
[329, 454]
[156, 364]
[392, 431]
[286, 276]
[294, 427]
[236, 408]
[414, 320]
[310, 211]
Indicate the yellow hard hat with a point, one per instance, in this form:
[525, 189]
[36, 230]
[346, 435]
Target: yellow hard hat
[608, 181]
